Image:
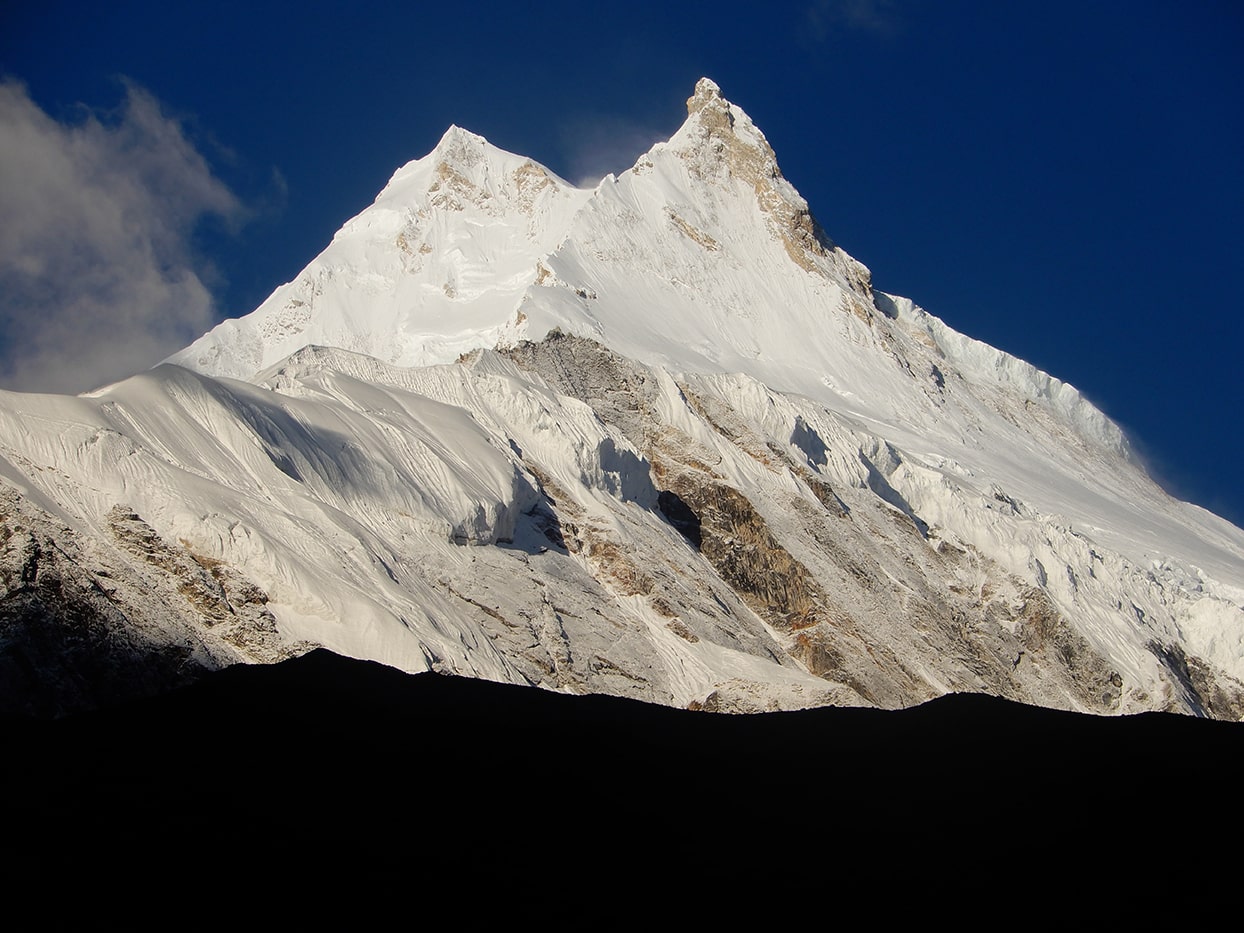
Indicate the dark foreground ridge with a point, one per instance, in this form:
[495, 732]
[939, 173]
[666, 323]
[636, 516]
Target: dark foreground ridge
[320, 756]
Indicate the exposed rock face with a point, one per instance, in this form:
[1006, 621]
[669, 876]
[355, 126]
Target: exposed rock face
[221, 598]
[85, 623]
[699, 541]
[1205, 690]
[894, 633]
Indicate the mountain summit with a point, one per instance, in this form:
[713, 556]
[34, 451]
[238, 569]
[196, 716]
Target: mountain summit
[659, 439]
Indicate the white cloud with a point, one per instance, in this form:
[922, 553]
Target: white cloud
[98, 277]
[882, 17]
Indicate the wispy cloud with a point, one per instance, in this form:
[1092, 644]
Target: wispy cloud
[98, 276]
[881, 17]
[600, 145]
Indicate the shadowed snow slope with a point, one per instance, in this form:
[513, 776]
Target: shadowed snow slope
[658, 439]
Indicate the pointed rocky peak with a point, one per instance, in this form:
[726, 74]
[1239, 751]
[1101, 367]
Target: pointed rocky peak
[707, 93]
[719, 138]
[721, 145]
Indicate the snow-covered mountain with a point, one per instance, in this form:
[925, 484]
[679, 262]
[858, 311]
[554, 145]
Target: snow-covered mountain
[660, 439]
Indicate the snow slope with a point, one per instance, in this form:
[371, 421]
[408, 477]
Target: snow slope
[437, 265]
[659, 439]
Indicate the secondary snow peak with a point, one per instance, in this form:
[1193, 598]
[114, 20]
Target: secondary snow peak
[457, 136]
[459, 148]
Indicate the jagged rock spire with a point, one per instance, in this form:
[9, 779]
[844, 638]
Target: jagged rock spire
[706, 93]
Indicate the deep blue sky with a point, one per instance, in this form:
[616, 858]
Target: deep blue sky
[1062, 180]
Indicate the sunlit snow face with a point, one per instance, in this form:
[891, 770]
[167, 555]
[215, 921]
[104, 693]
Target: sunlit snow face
[659, 438]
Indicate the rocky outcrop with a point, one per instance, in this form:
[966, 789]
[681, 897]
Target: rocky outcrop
[1207, 691]
[857, 588]
[86, 623]
[699, 540]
